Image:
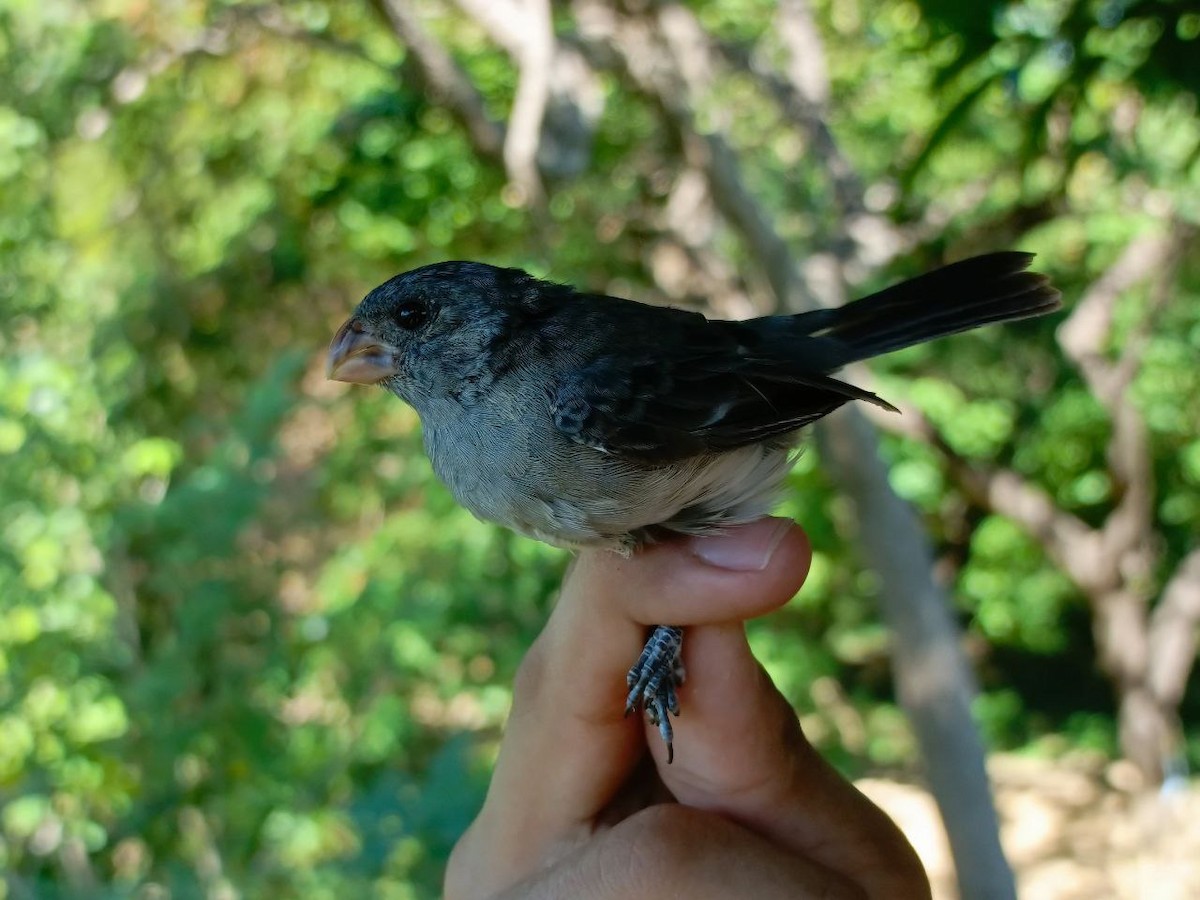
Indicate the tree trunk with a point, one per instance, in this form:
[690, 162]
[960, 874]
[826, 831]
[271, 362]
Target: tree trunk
[933, 678]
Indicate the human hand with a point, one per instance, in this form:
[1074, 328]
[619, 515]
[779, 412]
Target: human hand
[582, 805]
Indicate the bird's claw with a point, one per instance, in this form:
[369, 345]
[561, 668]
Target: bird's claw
[653, 681]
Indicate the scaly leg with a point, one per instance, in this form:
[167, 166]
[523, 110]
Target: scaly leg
[653, 679]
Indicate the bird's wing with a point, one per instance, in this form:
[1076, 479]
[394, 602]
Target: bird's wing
[707, 392]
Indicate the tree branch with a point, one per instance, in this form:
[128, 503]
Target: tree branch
[558, 96]
[505, 21]
[1173, 625]
[444, 79]
[1070, 542]
[1085, 332]
[273, 19]
[633, 47]
[802, 95]
[529, 104]
[805, 97]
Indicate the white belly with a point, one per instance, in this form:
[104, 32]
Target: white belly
[571, 495]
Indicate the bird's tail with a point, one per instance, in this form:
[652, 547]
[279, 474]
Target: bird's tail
[993, 288]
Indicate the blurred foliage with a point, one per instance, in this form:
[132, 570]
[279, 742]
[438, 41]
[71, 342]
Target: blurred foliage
[248, 645]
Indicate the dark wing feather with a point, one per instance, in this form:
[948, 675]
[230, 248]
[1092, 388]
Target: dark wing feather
[701, 390]
[673, 385]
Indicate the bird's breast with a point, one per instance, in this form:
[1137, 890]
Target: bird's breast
[511, 466]
[501, 465]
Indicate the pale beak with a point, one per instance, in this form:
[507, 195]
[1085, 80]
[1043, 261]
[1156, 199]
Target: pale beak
[358, 357]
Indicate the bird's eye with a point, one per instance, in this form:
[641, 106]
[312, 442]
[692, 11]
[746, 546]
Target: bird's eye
[411, 315]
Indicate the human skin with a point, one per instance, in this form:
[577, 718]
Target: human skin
[582, 803]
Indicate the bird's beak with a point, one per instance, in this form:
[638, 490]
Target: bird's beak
[357, 356]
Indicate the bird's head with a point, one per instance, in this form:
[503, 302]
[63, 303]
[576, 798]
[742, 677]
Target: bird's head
[424, 333]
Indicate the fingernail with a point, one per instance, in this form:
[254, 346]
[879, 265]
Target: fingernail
[746, 548]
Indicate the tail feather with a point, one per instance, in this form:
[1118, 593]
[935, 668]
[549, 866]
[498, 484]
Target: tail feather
[958, 297]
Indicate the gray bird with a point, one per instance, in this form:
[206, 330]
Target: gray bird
[585, 420]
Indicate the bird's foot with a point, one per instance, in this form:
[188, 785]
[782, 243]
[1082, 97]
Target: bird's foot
[653, 679]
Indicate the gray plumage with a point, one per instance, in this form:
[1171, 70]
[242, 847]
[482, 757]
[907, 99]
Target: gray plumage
[586, 420]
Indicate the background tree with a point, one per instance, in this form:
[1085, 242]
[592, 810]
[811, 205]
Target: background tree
[248, 645]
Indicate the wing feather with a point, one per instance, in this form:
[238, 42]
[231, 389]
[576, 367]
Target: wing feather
[706, 392]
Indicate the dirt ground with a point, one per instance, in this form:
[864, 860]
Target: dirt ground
[1073, 830]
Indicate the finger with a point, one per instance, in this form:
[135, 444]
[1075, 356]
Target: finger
[568, 747]
[741, 753]
[673, 851]
[737, 574]
[569, 708]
